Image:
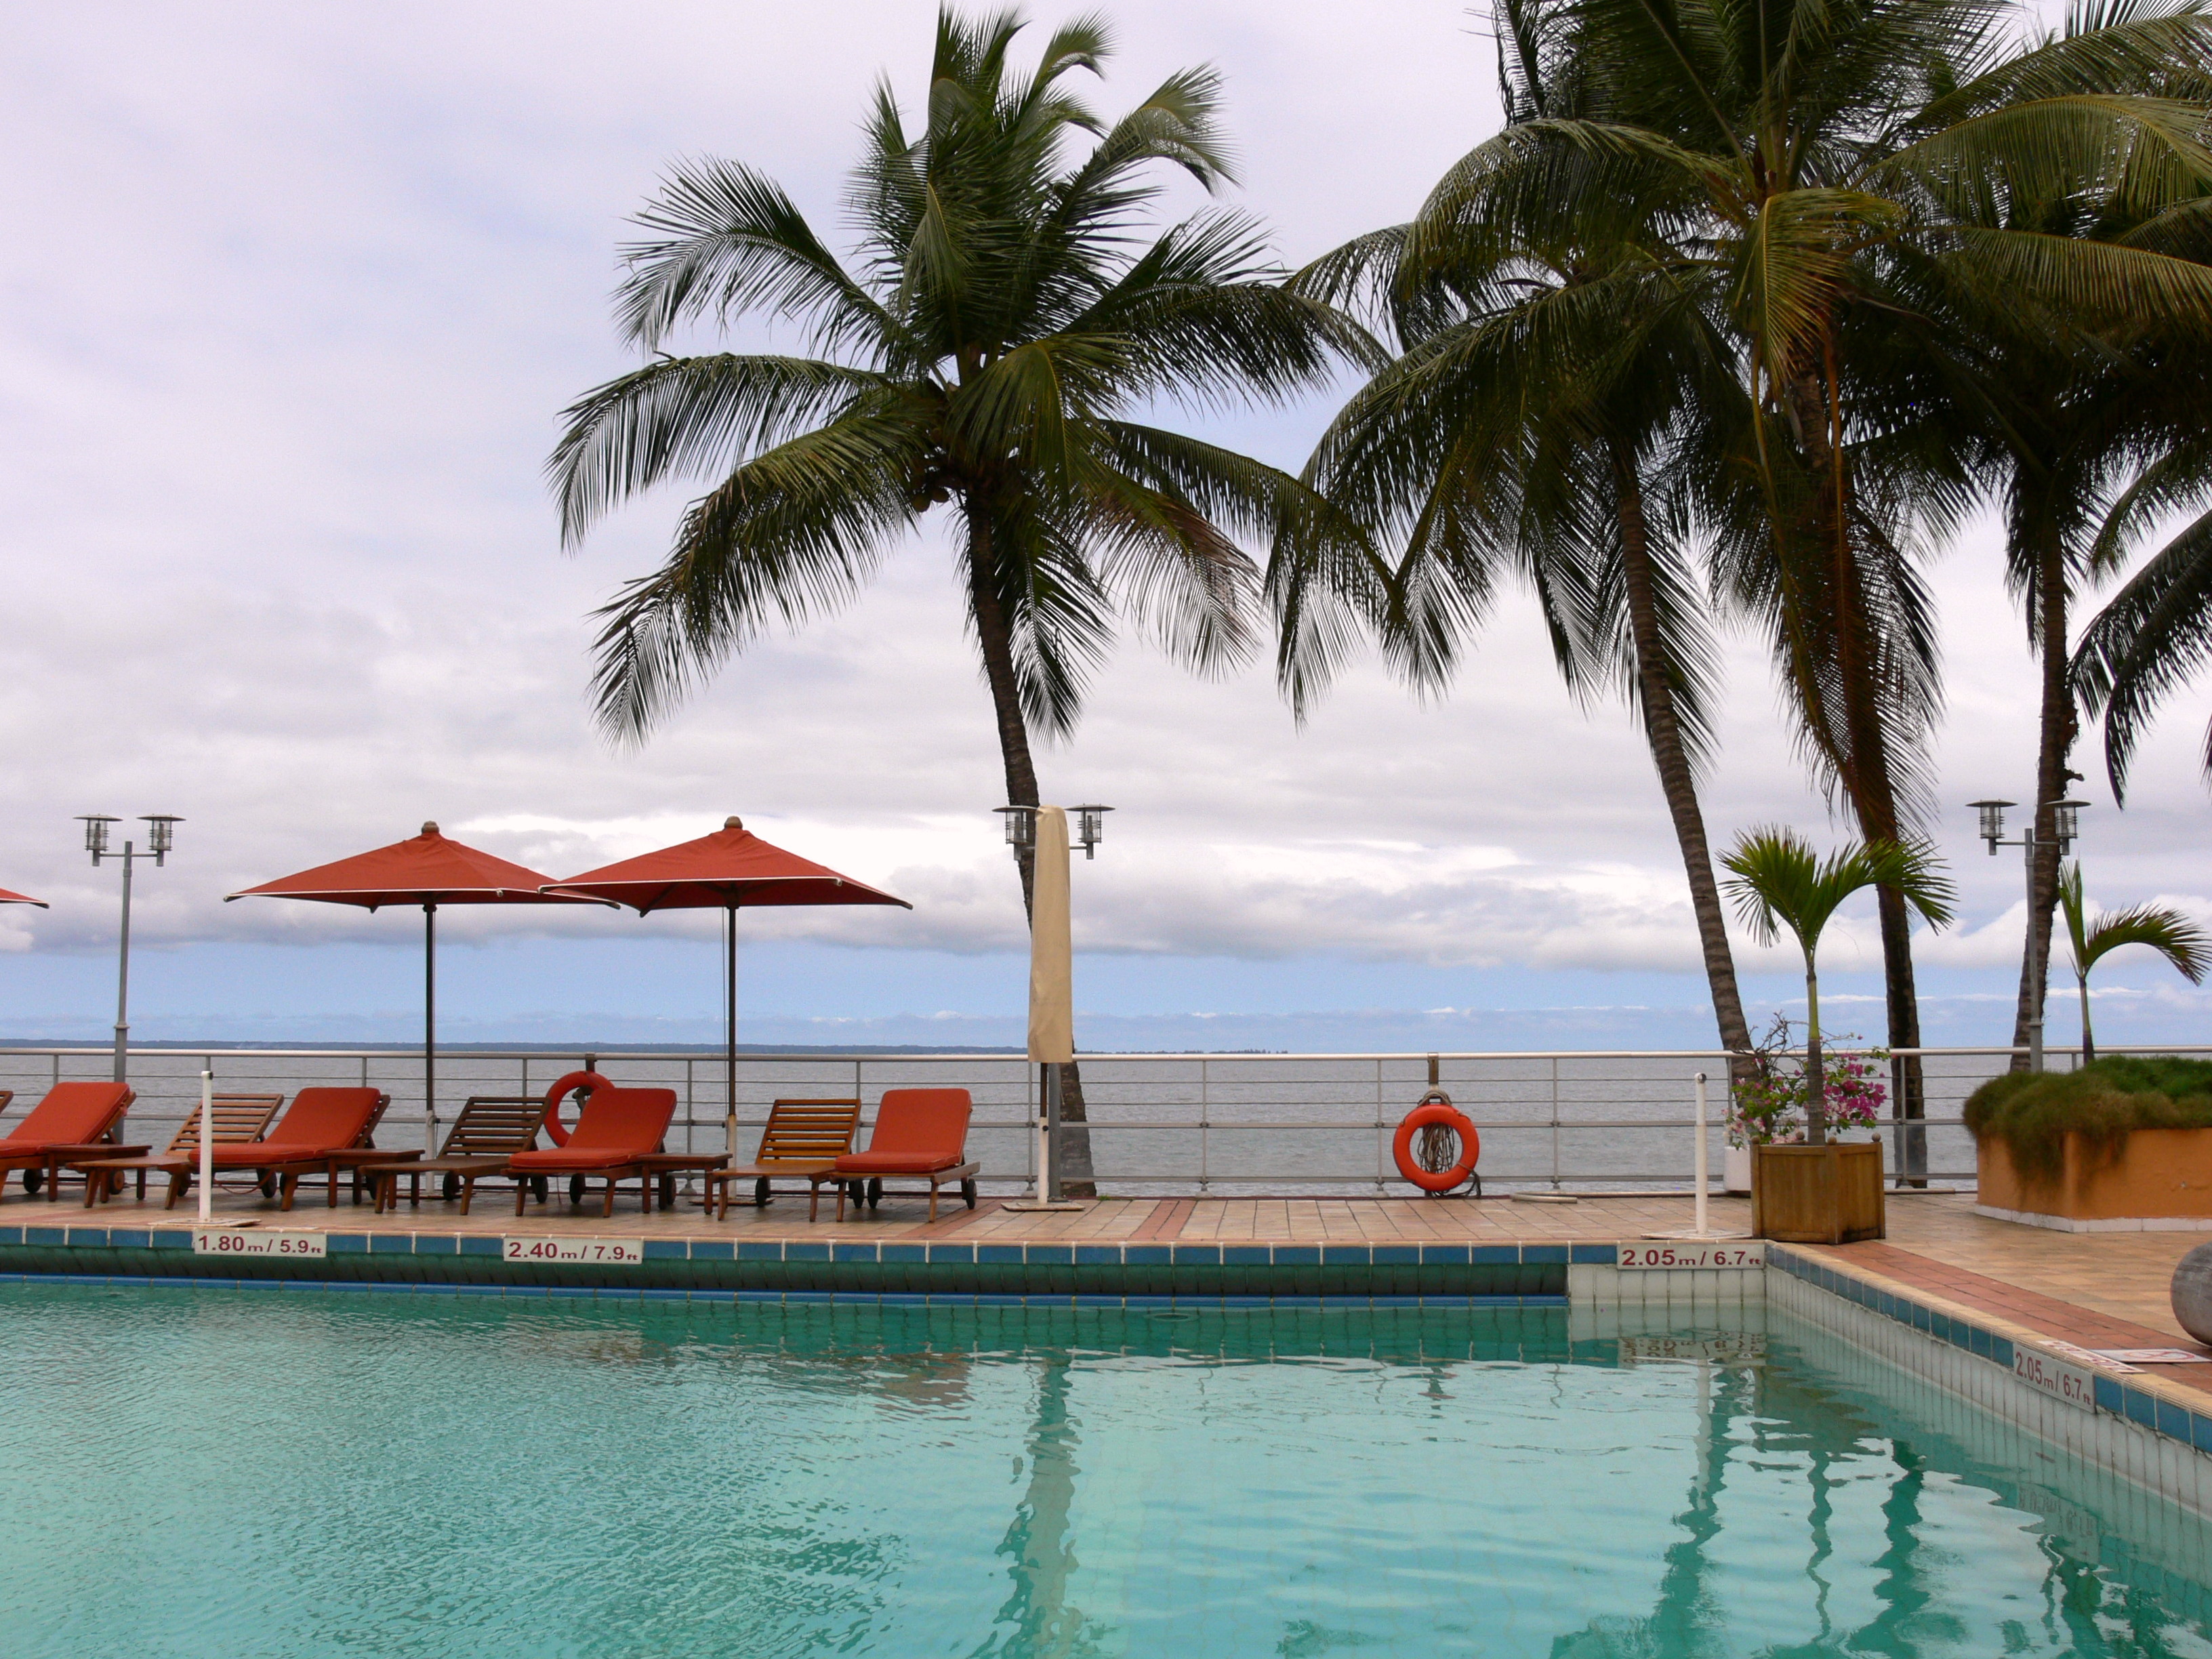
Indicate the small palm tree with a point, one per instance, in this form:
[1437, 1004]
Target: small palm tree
[1781, 882]
[2169, 932]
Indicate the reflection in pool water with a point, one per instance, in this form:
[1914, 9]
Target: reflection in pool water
[269, 1474]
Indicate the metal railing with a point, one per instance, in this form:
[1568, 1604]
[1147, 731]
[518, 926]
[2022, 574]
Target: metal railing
[1158, 1124]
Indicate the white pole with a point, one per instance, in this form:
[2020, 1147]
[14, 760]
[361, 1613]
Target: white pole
[207, 1146]
[1046, 1075]
[1701, 1155]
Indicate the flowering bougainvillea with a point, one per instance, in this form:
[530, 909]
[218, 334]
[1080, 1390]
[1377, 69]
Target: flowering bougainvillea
[1768, 1103]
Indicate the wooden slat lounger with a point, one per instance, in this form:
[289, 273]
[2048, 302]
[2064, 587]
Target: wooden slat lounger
[491, 1129]
[801, 1139]
[239, 1121]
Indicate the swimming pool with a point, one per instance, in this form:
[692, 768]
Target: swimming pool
[201, 1473]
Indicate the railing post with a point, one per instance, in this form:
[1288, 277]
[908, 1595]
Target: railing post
[1378, 1120]
[1555, 1123]
[1204, 1117]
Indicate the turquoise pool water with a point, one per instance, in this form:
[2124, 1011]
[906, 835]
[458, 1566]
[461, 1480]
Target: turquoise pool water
[277, 1474]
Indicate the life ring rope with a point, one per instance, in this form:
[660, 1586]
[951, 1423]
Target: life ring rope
[1435, 1111]
[563, 1086]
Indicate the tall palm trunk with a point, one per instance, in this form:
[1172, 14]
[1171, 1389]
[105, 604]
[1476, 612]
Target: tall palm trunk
[1862, 758]
[995, 640]
[2059, 725]
[1662, 729]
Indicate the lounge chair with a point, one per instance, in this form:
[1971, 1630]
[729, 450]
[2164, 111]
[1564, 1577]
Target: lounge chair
[490, 1130]
[75, 1120]
[323, 1130]
[239, 1121]
[802, 1139]
[618, 1128]
[919, 1132]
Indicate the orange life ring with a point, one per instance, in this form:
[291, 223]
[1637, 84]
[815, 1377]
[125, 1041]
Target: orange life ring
[1442, 1112]
[567, 1086]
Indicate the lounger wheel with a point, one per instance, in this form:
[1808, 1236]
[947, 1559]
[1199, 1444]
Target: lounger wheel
[760, 1192]
[538, 1188]
[875, 1193]
[968, 1193]
[575, 1189]
[449, 1188]
[856, 1192]
[33, 1179]
[268, 1186]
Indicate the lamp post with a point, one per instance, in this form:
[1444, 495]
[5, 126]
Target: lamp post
[2066, 827]
[1048, 931]
[161, 839]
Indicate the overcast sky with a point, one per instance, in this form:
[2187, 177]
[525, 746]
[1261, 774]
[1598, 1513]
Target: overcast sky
[293, 296]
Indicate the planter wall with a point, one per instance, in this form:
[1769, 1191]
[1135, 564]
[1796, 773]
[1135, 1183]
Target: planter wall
[1736, 1170]
[1828, 1195]
[2160, 1179]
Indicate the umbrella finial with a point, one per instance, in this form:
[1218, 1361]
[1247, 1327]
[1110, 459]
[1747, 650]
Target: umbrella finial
[429, 826]
[734, 822]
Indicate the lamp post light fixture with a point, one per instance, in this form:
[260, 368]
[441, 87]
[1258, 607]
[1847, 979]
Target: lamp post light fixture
[161, 841]
[1089, 827]
[2066, 829]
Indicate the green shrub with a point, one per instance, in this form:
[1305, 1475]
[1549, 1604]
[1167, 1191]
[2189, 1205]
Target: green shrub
[2103, 1102]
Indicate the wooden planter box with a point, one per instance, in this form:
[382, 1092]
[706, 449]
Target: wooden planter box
[2160, 1180]
[1828, 1195]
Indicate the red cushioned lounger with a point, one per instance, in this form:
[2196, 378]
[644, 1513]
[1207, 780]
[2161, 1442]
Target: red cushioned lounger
[73, 1119]
[323, 1129]
[922, 1132]
[617, 1127]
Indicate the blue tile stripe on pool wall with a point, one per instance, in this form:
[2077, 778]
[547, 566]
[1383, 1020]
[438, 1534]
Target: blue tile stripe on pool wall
[858, 1298]
[2192, 1429]
[1294, 1275]
[173, 1237]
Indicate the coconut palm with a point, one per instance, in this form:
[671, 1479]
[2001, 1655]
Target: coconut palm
[1008, 318]
[2168, 932]
[1779, 881]
[1529, 431]
[1801, 149]
[2155, 635]
[2054, 412]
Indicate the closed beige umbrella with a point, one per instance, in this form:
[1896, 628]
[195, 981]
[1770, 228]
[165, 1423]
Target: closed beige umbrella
[1052, 990]
[1052, 949]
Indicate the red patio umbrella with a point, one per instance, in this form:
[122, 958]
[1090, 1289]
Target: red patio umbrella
[429, 870]
[727, 871]
[6, 898]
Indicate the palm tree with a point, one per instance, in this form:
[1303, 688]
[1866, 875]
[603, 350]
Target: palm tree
[2168, 932]
[1529, 430]
[1802, 150]
[2055, 412]
[1004, 321]
[2156, 632]
[1780, 882]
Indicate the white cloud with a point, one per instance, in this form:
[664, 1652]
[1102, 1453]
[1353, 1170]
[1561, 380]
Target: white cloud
[292, 303]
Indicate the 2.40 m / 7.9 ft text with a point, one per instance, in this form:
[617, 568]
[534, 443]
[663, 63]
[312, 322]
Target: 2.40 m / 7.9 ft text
[622, 1252]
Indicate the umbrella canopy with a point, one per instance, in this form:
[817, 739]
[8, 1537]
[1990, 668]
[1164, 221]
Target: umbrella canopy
[6, 898]
[427, 870]
[729, 871]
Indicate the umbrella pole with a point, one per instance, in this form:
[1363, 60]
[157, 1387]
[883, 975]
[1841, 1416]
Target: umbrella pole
[730, 1029]
[430, 1028]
